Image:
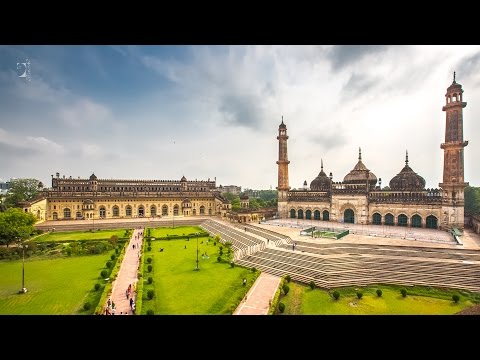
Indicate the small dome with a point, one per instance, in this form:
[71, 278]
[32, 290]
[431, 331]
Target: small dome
[305, 182]
[359, 173]
[282, 125]
[407, 179]
[183, 178]
[93, 177]
[244, 197]
[322, 182]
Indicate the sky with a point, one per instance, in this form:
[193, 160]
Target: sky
[206, 112]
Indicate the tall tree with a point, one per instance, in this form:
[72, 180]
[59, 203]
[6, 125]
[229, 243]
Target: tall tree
[22, 190]
[15, 225]
[472, 199]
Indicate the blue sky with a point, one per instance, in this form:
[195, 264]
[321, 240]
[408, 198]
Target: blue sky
[161, 112]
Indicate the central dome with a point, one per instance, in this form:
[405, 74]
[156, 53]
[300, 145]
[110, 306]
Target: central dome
[359, 173]
[407, 179]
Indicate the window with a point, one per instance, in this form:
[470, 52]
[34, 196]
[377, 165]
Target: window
[66, 213]
[103, 212]
[377, 219]
[128, 211]
[325, 215]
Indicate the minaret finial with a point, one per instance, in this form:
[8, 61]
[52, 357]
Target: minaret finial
[406, 157]
[322, 164]
[282, 119]
[454, 76]
[359, 154]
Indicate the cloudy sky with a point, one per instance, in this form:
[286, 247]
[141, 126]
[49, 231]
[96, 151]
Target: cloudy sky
[160, 112]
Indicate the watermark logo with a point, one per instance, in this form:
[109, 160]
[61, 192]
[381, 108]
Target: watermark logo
[24, 70]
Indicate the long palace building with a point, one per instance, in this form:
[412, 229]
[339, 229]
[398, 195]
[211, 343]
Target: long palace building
[95, 198]
[405, 202]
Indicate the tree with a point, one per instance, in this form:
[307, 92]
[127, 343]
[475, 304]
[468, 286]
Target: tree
[15, 225]
[22, 190]
[472, 199]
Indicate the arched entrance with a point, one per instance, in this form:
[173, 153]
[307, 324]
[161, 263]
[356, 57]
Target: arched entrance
[325, 215]
[402, 220]
[432, 222]
[316, 215]
[416, 221]
[128, 211]
[349, 216]
[141, 211]
[153, 211]
[389, 219]
[300, 214]
[308, 215]
[292, 214]
[377, 219]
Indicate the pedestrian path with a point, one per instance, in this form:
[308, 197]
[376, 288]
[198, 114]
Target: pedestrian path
[257, 301]
[127, 275]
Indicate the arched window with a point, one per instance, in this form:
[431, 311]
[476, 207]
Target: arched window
[377, 219]
[194, 211]
[300, 214]
[402, 220]
[141, 211]
[325, 215]
[389, 219]
[349, 216]
[202, 210]
[55, 215]
[164, 210]
[153, 211]
[116, 211]
[416, 221]
[78, 215]
[128, 211]
[432, 222]
[175, 210]
[102, 211]
[292, 214]
[209, 211]
[66, 213]
[308, 215]
[316, 215]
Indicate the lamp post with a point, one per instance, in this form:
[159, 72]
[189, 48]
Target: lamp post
[197, 251]
[24, 290]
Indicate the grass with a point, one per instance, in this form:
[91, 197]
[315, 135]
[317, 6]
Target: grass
[301, 300]
[80, 235]
[178, 230]
[55, 286]
[328, 234]
[180, 289]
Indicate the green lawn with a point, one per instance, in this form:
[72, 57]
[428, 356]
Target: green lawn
[328, 234]
[80, 235]
[179, 289]
[55, 286]
[301, 300]
[178, 230]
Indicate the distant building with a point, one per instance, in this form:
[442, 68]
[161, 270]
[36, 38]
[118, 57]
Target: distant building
[233, 189]
[4, 186]
[252, 193]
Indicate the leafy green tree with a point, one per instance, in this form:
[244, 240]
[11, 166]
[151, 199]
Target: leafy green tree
[22, 190]
[15, 225]
[472, 199]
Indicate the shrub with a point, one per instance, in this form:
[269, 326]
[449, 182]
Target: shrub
[219, 258]
[336, 295]
[150, 294]
[254, 269]
[150, 280]
[232, 264]
[139, 275]
[281, 307]
[113, 257]
[312, 284]
[359, 295]
[149, 260]
[286, 289]
[150, 312]
[288, 278]
[379, 293]
[150, 268]
[404, 292]
[87, 306]
[455, 298]
[149, 248]
[104, 274]
[97, 286]
[116, 252]
[221, 252]
[109, 264]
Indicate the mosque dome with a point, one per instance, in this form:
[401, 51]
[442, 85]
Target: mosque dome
[322, 182]
[407, 179]
[359, 174]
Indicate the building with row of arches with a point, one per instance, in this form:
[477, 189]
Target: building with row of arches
[93, 198]
[360, 198]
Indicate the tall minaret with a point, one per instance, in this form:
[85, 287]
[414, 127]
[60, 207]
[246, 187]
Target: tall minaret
[453, 184]
[282, 162]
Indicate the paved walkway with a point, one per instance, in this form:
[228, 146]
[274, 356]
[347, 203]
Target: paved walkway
[127, 275]
[257, 300]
